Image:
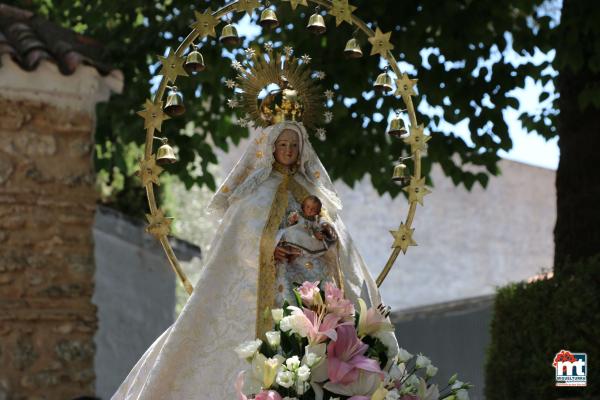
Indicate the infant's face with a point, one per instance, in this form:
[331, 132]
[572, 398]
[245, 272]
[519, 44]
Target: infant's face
[310, 208]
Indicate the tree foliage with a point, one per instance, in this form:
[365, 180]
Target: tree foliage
[463, 52]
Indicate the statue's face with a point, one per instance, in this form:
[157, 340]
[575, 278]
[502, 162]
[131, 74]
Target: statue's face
[287, 148]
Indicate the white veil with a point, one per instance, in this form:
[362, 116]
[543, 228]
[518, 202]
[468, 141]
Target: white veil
[256, 164]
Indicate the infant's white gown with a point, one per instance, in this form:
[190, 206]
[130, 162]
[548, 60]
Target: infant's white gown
[194, 358]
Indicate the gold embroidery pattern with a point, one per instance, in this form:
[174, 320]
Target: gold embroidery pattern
[267, 272]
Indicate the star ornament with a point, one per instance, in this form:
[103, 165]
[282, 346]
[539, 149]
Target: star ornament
[381, 43]
[205, 24]
[403, 238]
[342, 11]
[149, 171]
[405, 86]
[417, 190]
[172, 66]
[159, 225]
[248, 6]
[295, 3]
[153, 115]
[417, 139]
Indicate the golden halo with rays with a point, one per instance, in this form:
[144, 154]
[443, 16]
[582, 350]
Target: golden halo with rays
[266, 69]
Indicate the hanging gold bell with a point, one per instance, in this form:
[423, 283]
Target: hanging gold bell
[398, 175]
[194, 62]
[352, 49]
[268, 19]
[229, 36]
[397, 127]
[174, 106]
[383, 83]
[316, 24]
[165, 154]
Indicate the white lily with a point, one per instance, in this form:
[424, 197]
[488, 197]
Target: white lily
[380, 393]
[263, 373]
[273, 338]
[427, 393]
[248, 349]
[371, 321]
[403, 355]
[277, 314]
[314, 357]
[366, 384]
[431, 371]
[422, 361]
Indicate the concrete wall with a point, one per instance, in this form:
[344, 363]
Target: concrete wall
[453, 335]
[134, 294]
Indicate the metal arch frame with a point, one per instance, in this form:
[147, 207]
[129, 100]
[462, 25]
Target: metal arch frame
[191, 37]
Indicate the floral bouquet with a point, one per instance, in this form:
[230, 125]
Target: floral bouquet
[322, 349]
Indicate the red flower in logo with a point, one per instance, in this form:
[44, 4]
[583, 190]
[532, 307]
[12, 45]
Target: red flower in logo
[563, 355]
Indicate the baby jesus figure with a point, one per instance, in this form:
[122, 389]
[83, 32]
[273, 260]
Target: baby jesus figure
[305, 239]
[306, 234]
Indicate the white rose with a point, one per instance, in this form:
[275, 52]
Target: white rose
[286, 323]
[457, 384]
[247, 350]
[462, 394]
[397, 371]
[422, 361]
[303, 373]
[285, 379]
[273, 338]
[392, 395]
[301, 387]
[413, 381]
[277, 314]
[431, 371]
[403, 355]
[292, 363]
[311, 359]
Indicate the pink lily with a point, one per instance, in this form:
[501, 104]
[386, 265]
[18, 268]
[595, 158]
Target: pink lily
[336, 303]
[371, 321]
[268, 395]
[308, 291]
[346, 357]
[317, 327]
[239, 383]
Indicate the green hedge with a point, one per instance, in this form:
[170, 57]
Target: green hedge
[531, 323]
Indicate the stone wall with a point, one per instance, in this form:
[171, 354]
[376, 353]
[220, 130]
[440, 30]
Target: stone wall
[47, 204]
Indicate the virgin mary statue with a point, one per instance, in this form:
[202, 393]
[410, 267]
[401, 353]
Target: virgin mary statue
[240, 281]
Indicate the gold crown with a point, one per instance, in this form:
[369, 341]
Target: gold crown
[281, 105]
[298, 98]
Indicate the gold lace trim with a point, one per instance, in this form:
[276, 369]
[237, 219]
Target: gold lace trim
[267, 272]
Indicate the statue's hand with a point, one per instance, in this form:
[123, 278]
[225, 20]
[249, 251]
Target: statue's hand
[280, 253]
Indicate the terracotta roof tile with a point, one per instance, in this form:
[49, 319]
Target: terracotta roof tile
[29, 39]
